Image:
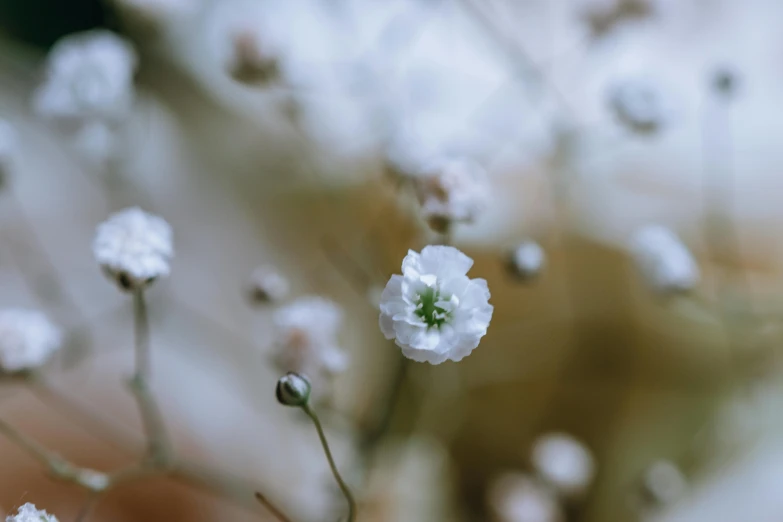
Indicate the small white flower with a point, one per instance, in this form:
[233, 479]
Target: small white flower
[640, 104]
[516, 497]
[433, 311]
[27, 339]
[88, 75]
[528, 259]
[564, 462]
[663, 260]
[664, 483]
[267, 284]
[29, 513]
[307, 338]
[134, 247]
[451, 190]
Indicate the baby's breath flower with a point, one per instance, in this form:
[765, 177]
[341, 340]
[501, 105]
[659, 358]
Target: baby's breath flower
[293, 390]
[27, 339]
[527, 260]
[134, 247]
[564, 462]
[29, 513]
[267, 284]
[433, 311]
[88, 75]
[516, 497]
[663, 260]
[451, 190]
[639, 104]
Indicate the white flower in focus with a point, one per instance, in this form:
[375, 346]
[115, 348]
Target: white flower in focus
[527, 260]
[433, 311]
[451, 191]
[564, 462]
[664, 483]
[134, 247]
[88, 75]
[663, 260]
[27, 339]
[516, 497]
[307, 338]
[29, 513]
[267, 284]
[639, 104]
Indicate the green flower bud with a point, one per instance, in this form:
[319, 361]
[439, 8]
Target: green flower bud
[293, 390]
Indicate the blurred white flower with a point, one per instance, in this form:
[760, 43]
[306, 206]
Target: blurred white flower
[267, 284]
[27, 339]
[664, 483]
[528, 259]
[88, 75]
[640, 104]
[29, 513]
[663, 260]
[433, 311]
[516, 497]
[564, 462]
[134, 247]
[451, 190]
[307, 338]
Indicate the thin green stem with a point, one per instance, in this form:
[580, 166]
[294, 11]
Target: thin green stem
[343, 486]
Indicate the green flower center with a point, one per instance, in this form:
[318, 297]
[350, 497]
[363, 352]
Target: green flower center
[429, 312]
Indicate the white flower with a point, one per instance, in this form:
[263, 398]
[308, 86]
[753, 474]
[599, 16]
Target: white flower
[29, 513]
[433, 311]
[27, 339]
[664, 483]
[267, 284]
[664, 262]
[451, 190]
[563, 462]
[640, 104]
[527, 259]
[307, 338]
[516, 497]
[88, 75]
[134, 247]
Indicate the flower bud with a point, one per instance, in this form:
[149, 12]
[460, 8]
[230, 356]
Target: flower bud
[527, 260]
[293, 390]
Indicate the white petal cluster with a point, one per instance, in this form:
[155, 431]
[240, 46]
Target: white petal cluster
[564, 462]
[134, 247]
[516, 497]
[88, 75]
[663, 260]
[528, 259]
[640, 104]
[267, 284]
[307, 332]
[451, 190]
[433, 311]
[27, 339]
[29, 513]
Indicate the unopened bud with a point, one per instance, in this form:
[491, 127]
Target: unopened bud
[293, 389]
[527, 260]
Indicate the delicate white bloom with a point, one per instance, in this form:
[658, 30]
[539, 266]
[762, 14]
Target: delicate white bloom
[433, 311]
[564, 462]
[640, 104]
[307, 338]
[267, 284]
[134, 247]
[451, 190]
[664, 483]
[88, 75]
[29, 513]
[663, 260]
[516, 497]
[528, 259]
[27, 339]
[250, 64]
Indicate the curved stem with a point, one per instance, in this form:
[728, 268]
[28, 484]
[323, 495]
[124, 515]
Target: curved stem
[343, 486]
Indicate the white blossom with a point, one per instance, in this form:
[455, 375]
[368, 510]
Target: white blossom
[451, 190]
[267, 284]
[663, 260]
[516, 497]
[134, 247]
[640, 104]
[528, 259]
[27, 339]
[433, 311]
[88, 75]
[564, 462]
[664, 483]
[29, 513]
[307, 342]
